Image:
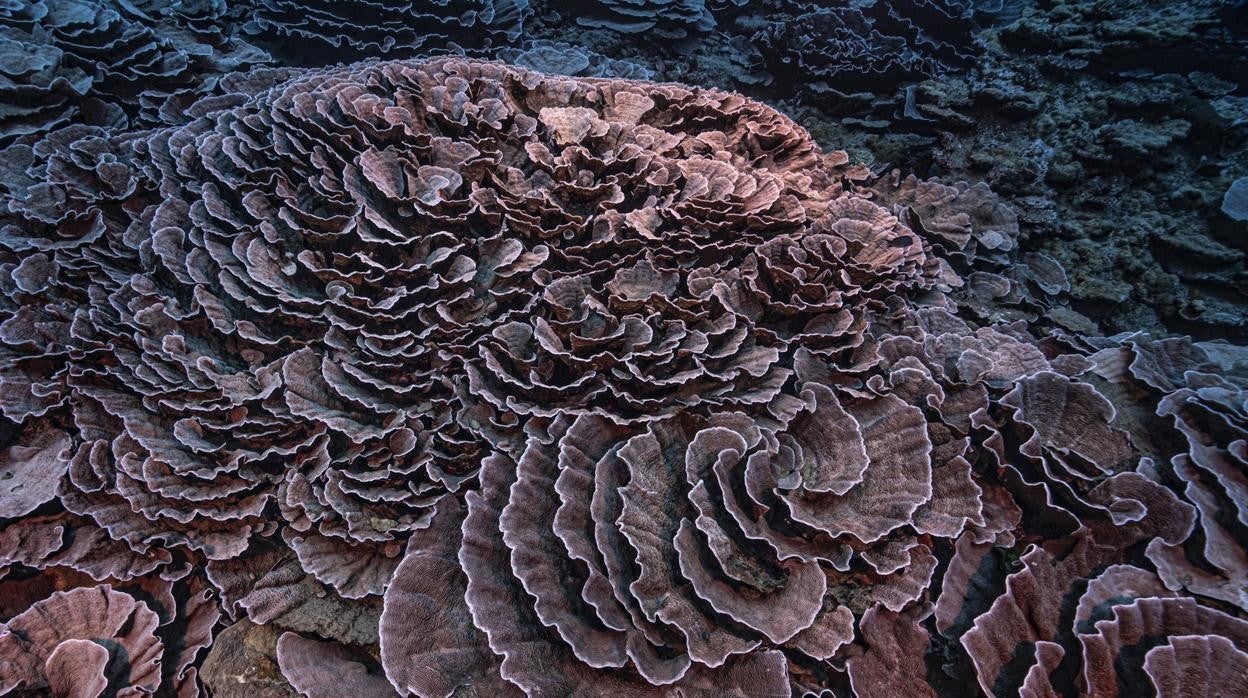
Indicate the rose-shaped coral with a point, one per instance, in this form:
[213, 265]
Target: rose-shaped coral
[631, 350]
[291, 343]
[94, 640]
[450, 375]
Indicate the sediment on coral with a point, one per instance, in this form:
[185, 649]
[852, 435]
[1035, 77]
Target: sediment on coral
[446, 375]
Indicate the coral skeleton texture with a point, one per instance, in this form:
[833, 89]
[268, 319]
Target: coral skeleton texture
[451, 377]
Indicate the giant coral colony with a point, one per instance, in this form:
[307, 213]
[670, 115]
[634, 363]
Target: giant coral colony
[448, 377]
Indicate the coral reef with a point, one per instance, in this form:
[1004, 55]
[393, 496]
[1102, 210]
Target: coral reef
[847, 47]
[562, 58]
[108, 64]
[428, 376]
[1177, 264]
[1046, 101]
[671, 19]
[1113, 128]
[327, 31]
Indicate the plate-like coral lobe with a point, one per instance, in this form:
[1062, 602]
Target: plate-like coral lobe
[447, 375]
[672, 19]
[109, 63]
[319, 32]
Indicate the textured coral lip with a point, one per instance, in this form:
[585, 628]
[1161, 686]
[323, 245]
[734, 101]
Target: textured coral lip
[428, 375]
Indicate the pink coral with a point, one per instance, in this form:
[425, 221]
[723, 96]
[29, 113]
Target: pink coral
[447, 374]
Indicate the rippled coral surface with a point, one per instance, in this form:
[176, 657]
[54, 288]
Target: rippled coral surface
[442, 377]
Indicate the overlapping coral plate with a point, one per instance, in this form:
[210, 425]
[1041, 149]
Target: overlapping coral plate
[450, 377]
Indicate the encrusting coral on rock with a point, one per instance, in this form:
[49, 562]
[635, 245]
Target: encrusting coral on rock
[426, 376]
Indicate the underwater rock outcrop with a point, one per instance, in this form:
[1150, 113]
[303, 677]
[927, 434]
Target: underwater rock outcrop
[1115, 129]
[138, 638]
[435, 374]
[871, 46]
